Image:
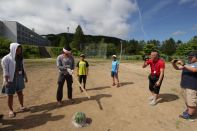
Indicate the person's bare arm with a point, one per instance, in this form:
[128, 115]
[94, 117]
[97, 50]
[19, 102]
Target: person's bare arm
[175, 65]
[192, 69]
[145, 64]
[87, 69]
[158, 83]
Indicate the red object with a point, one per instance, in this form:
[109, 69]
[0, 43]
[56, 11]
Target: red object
[156, 66]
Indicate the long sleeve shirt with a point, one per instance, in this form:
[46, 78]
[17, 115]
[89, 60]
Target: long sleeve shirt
[65, 62]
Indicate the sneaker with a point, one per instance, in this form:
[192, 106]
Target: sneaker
[151, 98]
[185, 112]
[186, 116]
[153, 102]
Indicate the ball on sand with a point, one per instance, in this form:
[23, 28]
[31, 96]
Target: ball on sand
[79, 119]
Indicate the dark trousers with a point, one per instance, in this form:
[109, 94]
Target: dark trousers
[83, 78]
[152, 82]
[61, 80]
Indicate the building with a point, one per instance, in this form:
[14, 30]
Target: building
[17, 32]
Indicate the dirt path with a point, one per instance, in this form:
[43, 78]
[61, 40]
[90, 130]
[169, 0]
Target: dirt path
[110, 109]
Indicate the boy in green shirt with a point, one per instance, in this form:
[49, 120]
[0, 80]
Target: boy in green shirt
[82, 71]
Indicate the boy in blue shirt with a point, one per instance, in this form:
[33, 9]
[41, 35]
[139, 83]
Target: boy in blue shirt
[114, 71]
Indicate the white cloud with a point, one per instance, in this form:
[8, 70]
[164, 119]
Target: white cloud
[99, 17]
[194, 27]
[187, 1]
[178, 33]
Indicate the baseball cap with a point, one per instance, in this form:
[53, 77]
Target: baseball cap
[192, 54]
[82, 55]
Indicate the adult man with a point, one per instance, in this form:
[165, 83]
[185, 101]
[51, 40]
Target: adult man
[82, 71]
[188, 83]
[157, 66]
[14, 76]
[65, 64]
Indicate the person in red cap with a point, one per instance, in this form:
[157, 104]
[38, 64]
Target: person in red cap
[65, 64]
[156, 76]
[188, 83]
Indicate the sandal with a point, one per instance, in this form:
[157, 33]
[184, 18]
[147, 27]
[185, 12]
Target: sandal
[11, 114]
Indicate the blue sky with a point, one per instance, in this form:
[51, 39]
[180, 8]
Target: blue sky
[126, 19]
[162, 19]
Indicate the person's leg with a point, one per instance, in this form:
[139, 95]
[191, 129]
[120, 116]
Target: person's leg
[80, 81]
[20, 98]
[10, 106]
[69, 81]
[151, 87]
[61, 81]
[117, 80]
[113, 79]
[84, 81]
[1, 116]
[10, 103]
[191, 101]
[191, 110]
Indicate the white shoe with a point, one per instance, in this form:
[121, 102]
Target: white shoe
[153, 102]
[151, 98]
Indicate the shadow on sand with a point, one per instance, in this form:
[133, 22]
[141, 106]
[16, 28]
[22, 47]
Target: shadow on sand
[29, 121]
[167, 98]
[42, 115]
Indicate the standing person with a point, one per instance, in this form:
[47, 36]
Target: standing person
[82, 71]
[14, 76]
[156, 76]
[114, 71]
[188, 83]
[65, 64]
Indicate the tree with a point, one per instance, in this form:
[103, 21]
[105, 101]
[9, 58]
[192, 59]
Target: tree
[4, 46]
[79, 39]
[148, 48]
[169, 47]
[111, 49]
[62, 41]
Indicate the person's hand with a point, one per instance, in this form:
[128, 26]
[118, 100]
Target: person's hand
[174, 61]
[181, 67]
[6, 84]
[180, 62]
[158, 83]
[26, 80]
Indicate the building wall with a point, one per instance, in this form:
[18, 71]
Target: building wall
[17, 32]
[27, 36]
[10, 30]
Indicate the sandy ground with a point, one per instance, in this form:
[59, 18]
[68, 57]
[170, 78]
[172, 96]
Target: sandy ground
[109, 109]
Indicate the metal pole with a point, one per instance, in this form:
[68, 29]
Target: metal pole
[120, 50]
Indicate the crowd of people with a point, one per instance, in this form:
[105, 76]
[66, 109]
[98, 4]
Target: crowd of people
[14, 77]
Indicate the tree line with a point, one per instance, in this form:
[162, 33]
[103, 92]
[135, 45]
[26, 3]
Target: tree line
[79, 42]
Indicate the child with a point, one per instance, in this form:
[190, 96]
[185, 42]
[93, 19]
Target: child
[82, 71]
[14, 76]
[114, 71]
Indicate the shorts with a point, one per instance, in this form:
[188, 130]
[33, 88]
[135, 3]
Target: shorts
[82, 78]
[114, 74]
[16, 86]
[152, 82]
[190, 97]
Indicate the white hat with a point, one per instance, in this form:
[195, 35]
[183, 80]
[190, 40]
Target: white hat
[114, 56]
[66, 50]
